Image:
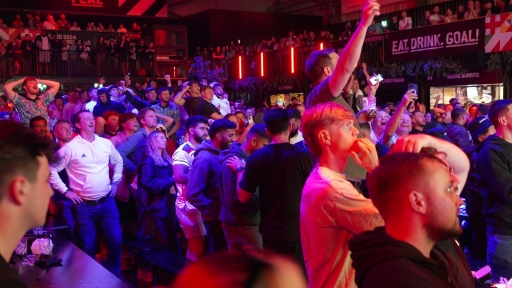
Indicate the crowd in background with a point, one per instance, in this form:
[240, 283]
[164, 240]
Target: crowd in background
[33, 21]
[351, 194]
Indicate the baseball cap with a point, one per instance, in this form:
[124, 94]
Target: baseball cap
[478, 126]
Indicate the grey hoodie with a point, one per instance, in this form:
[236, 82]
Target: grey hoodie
[232, 211]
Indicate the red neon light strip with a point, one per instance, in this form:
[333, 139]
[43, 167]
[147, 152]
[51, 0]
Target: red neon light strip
[293, 62]
[240, 67]
[262, 68]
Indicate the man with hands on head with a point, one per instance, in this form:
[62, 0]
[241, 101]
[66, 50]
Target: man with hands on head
[86, 159]
[332, 210]
[32, 104]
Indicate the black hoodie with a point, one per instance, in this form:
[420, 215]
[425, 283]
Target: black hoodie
[382, 261]
[232, 211]
[471, 191]
[111, 105]
[495, 167]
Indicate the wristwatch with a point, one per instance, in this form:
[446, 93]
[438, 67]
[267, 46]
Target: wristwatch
[239, 168]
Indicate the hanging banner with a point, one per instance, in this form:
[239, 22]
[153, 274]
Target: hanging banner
[433, 41]
[66, 37]
[469, 78]
[498, 34]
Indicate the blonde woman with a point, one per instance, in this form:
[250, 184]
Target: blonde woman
[154, 184]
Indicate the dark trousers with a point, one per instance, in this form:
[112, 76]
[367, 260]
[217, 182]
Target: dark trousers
[292, 249]
[215, 240]
[161, 228]
[478, 237]
[143, 220]
[106, 214]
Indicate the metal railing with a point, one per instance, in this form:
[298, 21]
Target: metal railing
[6, 68]
[74, 63]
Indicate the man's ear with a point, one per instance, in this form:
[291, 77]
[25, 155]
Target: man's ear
[324, 137]
[418, 202]
[327, 71]
[17, 190]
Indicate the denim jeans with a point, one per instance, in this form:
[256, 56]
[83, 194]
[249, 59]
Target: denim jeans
[106, 213]
[242, 237]
[65, 215]
[499, 250]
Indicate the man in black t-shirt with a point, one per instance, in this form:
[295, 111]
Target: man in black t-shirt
[280, 171]
[24, 190]
[190, 102]
[206, 108]
[418, 123]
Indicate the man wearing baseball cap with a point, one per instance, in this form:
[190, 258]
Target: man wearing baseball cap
[480, 128]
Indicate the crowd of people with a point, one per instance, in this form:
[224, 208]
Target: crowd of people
[34, 21]
[474, 9]
[46, 54]
[344, 195]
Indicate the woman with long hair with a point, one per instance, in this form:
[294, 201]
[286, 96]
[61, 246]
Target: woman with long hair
[154, 188]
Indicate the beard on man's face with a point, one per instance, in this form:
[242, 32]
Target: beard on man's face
[437, 233]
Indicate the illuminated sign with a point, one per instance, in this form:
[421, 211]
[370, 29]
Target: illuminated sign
[87, 3]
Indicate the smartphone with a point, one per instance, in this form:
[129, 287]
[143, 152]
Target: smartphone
[128, 75]
[96, 85]
[412, 86]
[238, 41]
[376, 79]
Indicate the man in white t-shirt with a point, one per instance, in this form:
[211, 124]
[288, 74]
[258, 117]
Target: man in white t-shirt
[122, 29]
[404, 23]
[331, 209]
[50, 24]
[93, 95]
[188, 216]
[224, 107]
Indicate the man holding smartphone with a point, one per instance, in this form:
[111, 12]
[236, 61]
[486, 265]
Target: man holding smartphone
[400, 124]
[330, 73]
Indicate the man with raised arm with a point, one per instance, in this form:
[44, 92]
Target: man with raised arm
[330, 73]
[32, 104]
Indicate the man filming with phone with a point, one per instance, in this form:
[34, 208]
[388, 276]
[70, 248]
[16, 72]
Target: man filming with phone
[400, 124]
